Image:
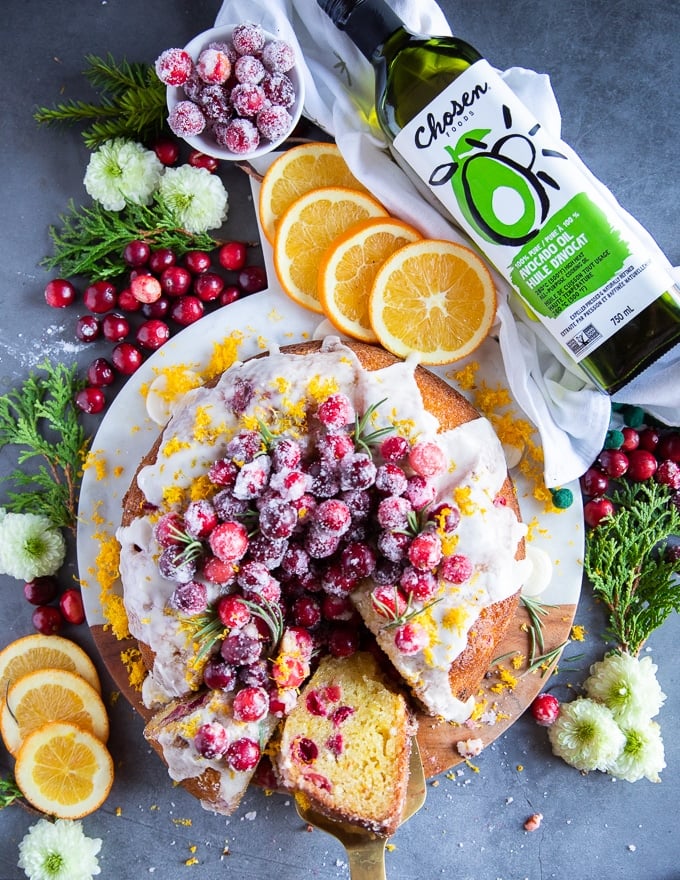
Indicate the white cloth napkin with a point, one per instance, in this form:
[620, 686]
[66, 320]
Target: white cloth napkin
[571, 416]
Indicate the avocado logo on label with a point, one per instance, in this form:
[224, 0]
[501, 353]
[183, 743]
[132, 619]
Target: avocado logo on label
[498, 190]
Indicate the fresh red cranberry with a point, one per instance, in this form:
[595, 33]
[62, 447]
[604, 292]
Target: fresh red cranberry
[115, 327]
[197, 262]
[642, 465]
[232, 255]
[136, 253]
[126, 358]
[594, 482]
[631, 439]
[88, 328]
[251, 279]
[90, 399]
[613, 462]
[669, 447]
[100, 373]
[161, 259]
[41, 590]
[152, 334]
[166, 150]
[146, 288]
[71, 606]
[59, 293]
[596, 510]
[176, 280]
[127, 301]
[343, 641]
[158, 309]
[47, 619]
[649, 439]
[201, 160]
[100, 297]
[229, 295]
[186, 310]
[545, 709]
[208, 286]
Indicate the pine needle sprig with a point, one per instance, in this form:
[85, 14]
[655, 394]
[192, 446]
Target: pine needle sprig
[626, 563]
[91, 240]
[40, 417]
[131, 103]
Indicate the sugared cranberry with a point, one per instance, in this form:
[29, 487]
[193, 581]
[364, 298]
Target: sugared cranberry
[251, 704]
[90, 399]
[218, 675]
[115, 327]
[307, 612]
[410, 638]
[88, 328]
[41, 590]
[173, 67]
[251, 279]
[668, 473]
[229, 541]
[71, 606]
[47, 619]
[243, 754]
[641, 465]
[427, 458]
[126, 358]
[596, 510]
[241, 649]
[59, 293]
[136, 253]
[343, 641]
[152, 334]
[100, 297]
[425, 551]
[197, 262]
[211, 740]
[233, 611]
[232, 255]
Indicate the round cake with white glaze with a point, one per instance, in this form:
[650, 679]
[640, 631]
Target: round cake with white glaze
[319, 500]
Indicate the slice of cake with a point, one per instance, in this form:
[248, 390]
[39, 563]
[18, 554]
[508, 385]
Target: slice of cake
[346, 745]
[212, 746]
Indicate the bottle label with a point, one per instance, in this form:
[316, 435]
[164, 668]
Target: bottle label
[534, 214]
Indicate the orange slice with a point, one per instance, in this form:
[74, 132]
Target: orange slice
[306, 229]
[37, 651]
[297, 171]
[432, 298]
[348, 267]
[50, 695]
[64, 771]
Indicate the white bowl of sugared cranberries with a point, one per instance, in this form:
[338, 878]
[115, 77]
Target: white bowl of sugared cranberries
[234, 92]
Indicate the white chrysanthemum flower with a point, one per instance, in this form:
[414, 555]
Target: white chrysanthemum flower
[643, 754]
[626, 685]
[122, 172]
[59, 851]
[31, 546]
[196, 198]
[586, 736]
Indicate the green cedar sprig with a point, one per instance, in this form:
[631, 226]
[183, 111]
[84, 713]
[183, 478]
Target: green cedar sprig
[626, 562]
[41, 418]
[131, 103]
[91, 240]
[9, 791]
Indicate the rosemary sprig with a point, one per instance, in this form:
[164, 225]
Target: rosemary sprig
[397, 618]
[365, 438]
[193, 547]
[272, 615]
[627, 566]
[9, 791]
[131, 103]
[91, 240]
[41, 418]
